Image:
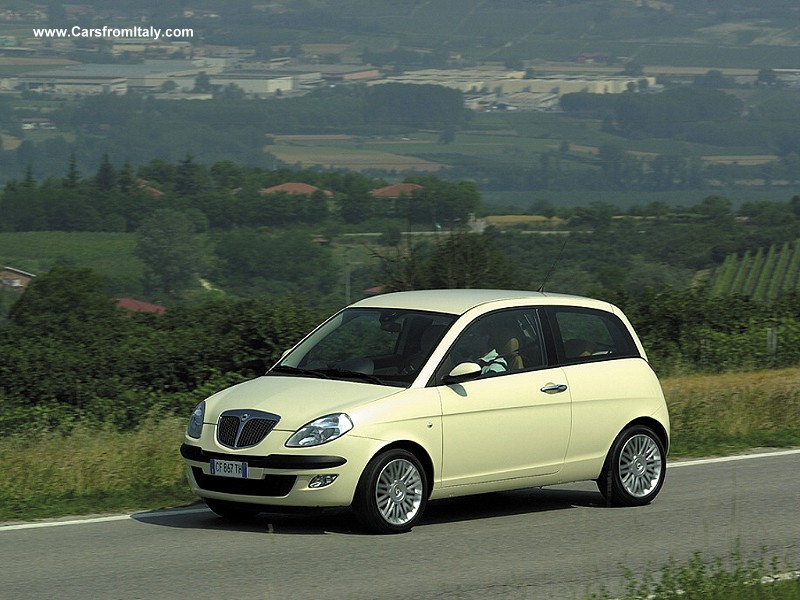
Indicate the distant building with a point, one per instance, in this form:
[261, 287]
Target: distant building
[14, 279]
[397, 190]
[295, 188]
[113, 78]
[256, 83]
[486, 87]
[75, 82]
[346, 74]
[36, 123]
[133, 305]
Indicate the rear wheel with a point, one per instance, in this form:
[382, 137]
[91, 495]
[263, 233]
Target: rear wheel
[392, 493]
[635, 468]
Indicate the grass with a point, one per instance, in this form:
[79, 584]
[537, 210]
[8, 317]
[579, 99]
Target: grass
[722, 414]
[701, 579]
[89, 471]
[109, 254]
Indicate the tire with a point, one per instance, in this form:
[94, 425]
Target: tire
[232, 510]
[392, 493]
[635, 468]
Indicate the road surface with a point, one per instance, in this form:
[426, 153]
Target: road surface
[553, 543]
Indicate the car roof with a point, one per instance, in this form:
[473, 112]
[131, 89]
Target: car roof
[459, 301]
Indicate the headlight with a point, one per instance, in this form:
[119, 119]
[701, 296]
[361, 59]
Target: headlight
[321, 431]
[195, 427]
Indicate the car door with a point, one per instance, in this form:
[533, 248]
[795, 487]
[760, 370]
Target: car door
[608, 379]
[509, 423]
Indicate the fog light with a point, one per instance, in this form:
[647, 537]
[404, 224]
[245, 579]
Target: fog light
[320, 481]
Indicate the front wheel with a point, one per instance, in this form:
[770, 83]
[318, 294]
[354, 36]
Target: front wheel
[635, 468]
[392, 492]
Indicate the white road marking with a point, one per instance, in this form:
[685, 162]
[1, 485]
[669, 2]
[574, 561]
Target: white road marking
[91, 520]
[159, 514]
[724, 459]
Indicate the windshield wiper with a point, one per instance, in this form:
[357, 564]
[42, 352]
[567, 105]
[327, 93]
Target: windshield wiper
[285, 369]
[345, 374]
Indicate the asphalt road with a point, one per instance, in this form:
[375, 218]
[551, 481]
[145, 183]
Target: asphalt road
[550, 543]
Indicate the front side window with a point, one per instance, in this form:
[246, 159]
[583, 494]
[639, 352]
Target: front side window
[499, 342]
[584, 335]
[383, 346]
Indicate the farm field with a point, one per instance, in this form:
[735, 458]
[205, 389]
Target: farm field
[11, 66]
[513, 141]
[763, 275]
[349, 157]
[110, 254]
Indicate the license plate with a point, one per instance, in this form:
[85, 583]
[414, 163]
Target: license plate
[228, 468]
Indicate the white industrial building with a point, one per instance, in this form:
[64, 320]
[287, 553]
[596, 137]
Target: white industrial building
[255, 83]
[112, 78]
[488, 86]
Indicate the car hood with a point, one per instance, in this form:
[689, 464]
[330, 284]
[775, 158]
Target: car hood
[296, 400]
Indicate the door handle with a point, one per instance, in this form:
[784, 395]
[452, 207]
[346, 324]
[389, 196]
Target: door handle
[554, 388]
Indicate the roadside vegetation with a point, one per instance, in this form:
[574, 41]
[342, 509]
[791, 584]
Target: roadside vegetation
[244, 276]
[85, 465]
[702, 578]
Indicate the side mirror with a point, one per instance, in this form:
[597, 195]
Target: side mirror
[465, 371]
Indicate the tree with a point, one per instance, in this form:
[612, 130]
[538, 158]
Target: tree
[633, 69]
[715, 208]
[469, 260]
[106, 177]
[408, 105]
[73, 177]
[287, 262]
[795, 204]
[459, 260]
[64, 298]
[190, 177]
[126, 179]
[440, 203]
[766, 77]
[404, 268]
[202, 83]
[171, 251]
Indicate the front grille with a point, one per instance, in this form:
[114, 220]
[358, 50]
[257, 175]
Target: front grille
[244, 428]
[255, 430]
[271, 485]
[227, 430]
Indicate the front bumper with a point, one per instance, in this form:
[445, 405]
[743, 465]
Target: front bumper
[281, 479]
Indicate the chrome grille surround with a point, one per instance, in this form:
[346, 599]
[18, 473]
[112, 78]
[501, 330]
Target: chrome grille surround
[243, 428]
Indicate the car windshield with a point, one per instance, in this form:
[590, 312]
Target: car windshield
[381, 346]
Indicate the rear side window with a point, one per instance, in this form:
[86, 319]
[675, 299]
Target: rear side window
[583, 335]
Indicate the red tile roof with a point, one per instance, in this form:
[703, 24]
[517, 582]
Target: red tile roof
[134, 305]
[294, 188]
[396, 190]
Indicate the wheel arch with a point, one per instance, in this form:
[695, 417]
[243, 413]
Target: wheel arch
[422, 456]
[657, 427]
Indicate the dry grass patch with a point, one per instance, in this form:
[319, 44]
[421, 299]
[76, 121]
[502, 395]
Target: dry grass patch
[712, 414]
[87, 470]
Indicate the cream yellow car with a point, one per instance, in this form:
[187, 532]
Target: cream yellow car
[408, 397]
